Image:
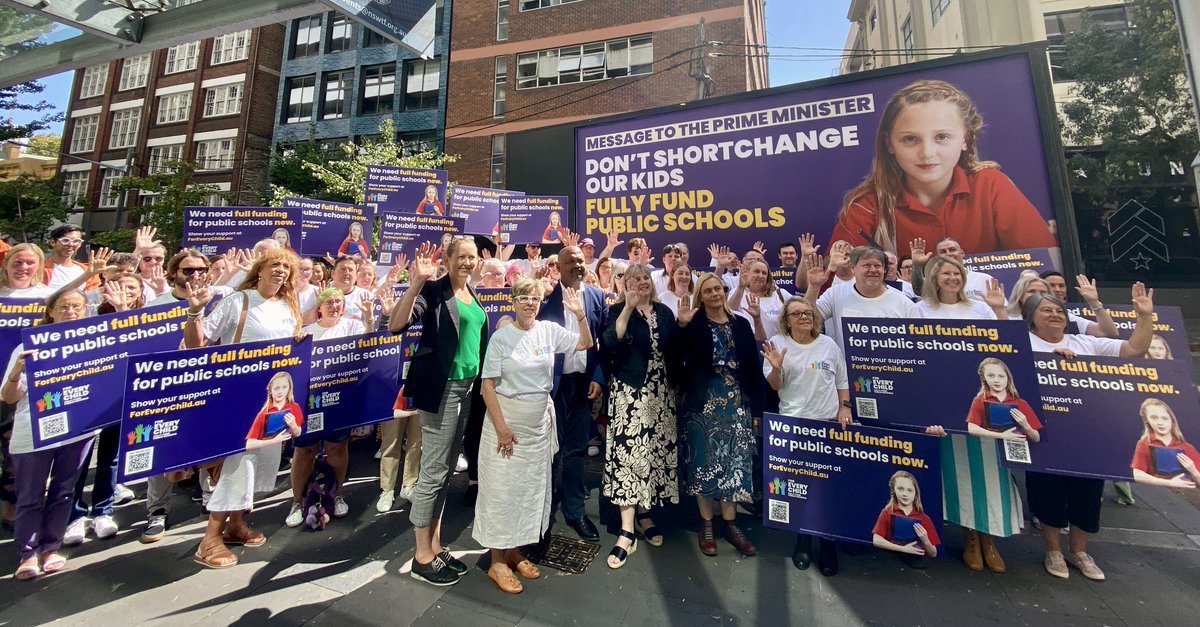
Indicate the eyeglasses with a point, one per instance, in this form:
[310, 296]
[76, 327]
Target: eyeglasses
[151, 259]
[526, 299]
[67, 307]
[800, 314]
[193, 271]
[70, 241]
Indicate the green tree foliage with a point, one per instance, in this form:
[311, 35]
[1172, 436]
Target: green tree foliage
[19, 31]
[29, 206]
[175, 190]
[1132, 99]
[45, 145]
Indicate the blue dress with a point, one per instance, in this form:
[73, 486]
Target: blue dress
[719, 441]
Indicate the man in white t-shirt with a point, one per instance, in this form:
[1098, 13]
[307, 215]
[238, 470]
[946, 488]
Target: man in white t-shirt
[61, 267]
[867, 297]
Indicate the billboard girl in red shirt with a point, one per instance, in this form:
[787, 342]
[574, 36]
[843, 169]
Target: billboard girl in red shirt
[280, 417]
[927, 181]
[904, 507]
[1162, 456]
[430, 205]
[996, 387]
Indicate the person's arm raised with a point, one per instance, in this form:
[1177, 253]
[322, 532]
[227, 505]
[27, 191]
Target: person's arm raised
[421, 270]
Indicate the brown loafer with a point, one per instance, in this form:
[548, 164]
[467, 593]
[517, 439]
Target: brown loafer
[525, 568]
[738, 539]
[708, 539]
[507, 582]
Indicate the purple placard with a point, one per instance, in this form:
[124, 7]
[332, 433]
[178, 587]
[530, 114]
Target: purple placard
[920, 373]
[533, 219]
[214, 230]
[353, 381]
[16, 315]
[497, 302]
[738, 172]
[404, 232]
[785, 278]
[812, 465]
[183, 408]
[77, 365]
[479, 207]
[406, 190]
[1007, 266]
[1168, 325]
[333, 228]
[1094, 410]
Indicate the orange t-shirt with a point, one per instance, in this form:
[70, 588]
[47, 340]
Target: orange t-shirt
[984, 211]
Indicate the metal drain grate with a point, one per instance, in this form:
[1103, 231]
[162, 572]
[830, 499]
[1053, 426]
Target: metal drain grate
[566, 554]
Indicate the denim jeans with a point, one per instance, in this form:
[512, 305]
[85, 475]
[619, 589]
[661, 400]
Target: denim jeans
[106, 476]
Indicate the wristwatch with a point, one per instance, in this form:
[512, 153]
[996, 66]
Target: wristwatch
[846, 404]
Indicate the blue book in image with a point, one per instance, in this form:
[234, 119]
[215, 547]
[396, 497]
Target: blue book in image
[275, 424]
[999, 416]
[1166, 462]
[903, 529]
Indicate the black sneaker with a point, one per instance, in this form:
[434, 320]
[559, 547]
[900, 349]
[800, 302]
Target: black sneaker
[197, 494]
[156, 528]
[453, 563]
[435, 573]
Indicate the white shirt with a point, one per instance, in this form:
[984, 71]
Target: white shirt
[357, 300]
[344, 328]
[844, 301]
[1079, 344]
[574, 362]
[660, 279]
[22, 429]
[768, 307]
[969, 309]
[169, 297]
[812, 375]
[523, 361]
[976, 284]
[33, 291]
[1081, 323]
[307, 298]
[266, 320]
[63, 273]
[673, 302]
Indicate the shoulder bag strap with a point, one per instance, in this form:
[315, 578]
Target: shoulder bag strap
[237, 336]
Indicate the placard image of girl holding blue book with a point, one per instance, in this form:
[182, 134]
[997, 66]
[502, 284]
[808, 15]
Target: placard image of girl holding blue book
[998, 411]
[280, 418]
[1162, 456]
[902, 525]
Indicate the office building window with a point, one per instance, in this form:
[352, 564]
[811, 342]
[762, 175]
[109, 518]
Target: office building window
[906, 32]
[182, 58]
[1059, 25]
[93, 81]
[589, 62]
[159, 155]
[135, 71]
[216, 200]
[937, 8]
[421, 79]
[74, 187]
[223, 100]
[417, 142]
[300, 92]
[497, 179]
[501, 20]
[529, 5]
[174, 107]
[125, 128]
[215, 154]
[83, 135]
[874, 20]
[148, 200]
[306, 36]
[231, 47]
[378, 88]
[108, 196]
[341, 35]
[335, 103]
[372, 38]
[500, 90]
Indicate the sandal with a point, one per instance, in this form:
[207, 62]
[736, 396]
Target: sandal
[507, 582]
[25, 573]
[651, 533]
[215, 556]
[53, 562]
[620, 553]
[247, 537]
[523, 566]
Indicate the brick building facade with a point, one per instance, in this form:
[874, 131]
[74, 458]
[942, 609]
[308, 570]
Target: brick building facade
[522, 64]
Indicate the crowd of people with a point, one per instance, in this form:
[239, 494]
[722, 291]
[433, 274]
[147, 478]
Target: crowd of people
[676, 361]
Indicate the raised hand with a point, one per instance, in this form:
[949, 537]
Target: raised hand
[98, 260]
[157, 280]
[143, 238]
[573, 301]
[714, 252]
[401, 262]
[752, 306]
[807, 246]
[387, 298]
[994, 296]
[839, 255]
[245, 259]
[685, 315]
[368, 317]
[1143, 299]
[760, 247]
[570, 239]
[1087, 289]
[773, 355]
[423, 266]
[917, 251]
[612, 238]
[198, 293]
[114, 294]
[817, 272]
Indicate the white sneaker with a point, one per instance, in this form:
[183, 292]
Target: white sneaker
[462, 464]
[1086, 565]
[104, 527]
[295, 517]
[406, 492]
[122, 495]
[340, 507]
[76, 531]
[384, 504]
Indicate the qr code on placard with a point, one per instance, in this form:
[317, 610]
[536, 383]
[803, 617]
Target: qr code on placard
[141, 460]
[867, 408]
[53, 426]
[1017, 451]
[316, 422]
[385, 259]
[779, 511]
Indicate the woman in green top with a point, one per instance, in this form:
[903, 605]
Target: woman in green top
[443, 380]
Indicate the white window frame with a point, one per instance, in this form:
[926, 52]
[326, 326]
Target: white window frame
[428, 80]
[502, 8]
[135, 72]
[231, 47]
[218, 199]
[500, 89]
[533, 5]
[223, 100]
[216, 154]
[499, 151]
[182, 58]
[906, 36]
[83, 133]
[125, 126]
[93, 80]
[174, 108]
[107, 198]
[75, 186]
[162, 154]
[596, 61]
